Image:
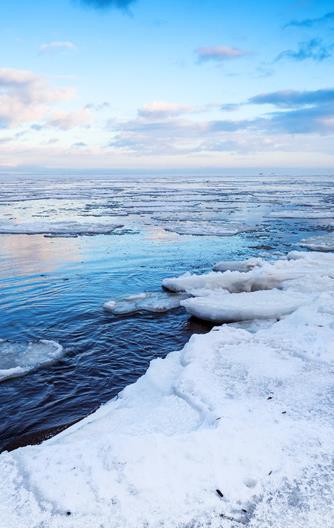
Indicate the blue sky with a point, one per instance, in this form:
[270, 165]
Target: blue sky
[146, 83]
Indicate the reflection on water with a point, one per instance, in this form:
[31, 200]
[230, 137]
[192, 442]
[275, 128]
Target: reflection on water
[26, 255]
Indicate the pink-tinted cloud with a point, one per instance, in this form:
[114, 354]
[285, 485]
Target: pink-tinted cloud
[26, 97]
[219, 53]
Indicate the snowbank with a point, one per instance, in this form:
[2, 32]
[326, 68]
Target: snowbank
[235, 429]
[17, 359]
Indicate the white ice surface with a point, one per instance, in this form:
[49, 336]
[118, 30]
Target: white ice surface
[58, 228]
[265, 304]
[304, 213]
[17, 359]
[207, 228]
[237, 265]
[246, 413]
[319, 243]
[156, 302]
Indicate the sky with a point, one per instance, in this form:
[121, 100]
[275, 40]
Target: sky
[153, 84]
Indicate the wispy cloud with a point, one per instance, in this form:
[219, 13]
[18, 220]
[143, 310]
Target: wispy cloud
[313, 49]
[295, 98]
[68, 120]
[163, 110]
[26, 97]
[105, 4]
[56, 46]
[295, 113]
[219, 53]
[310, 22]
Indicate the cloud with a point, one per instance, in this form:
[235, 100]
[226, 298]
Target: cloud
[294, 98]
[26, 97]
[56, 46]
[164, 130]
[309, 111]
[219, 53]
[310, 22]
[104, 4]
[69, 120]
[98, 106]
[313, 49]
[162, 110]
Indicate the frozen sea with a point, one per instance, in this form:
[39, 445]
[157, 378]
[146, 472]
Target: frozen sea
[70, 244]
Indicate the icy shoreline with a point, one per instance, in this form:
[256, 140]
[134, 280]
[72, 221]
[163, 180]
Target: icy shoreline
[235, 429]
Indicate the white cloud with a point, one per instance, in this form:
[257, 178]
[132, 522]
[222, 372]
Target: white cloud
[219, 53]
[69, 120]
[163, 110]
[56, 46]
[26, 97]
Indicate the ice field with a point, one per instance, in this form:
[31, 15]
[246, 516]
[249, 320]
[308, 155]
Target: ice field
[185, 328]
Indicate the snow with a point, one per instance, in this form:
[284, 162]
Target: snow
[58, 228]
[156, 302]
[265, 304]
[17, 359]
[237, 265]
[319, 243]
[248, 413]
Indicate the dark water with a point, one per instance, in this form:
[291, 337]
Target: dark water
[54, 288]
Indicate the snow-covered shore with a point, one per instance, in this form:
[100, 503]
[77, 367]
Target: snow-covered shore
[235, 429]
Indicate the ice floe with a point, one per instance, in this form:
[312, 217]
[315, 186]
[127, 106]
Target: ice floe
[304, 213]
[265, 304]
[237, 265]
[319, 243]
[206, 228]
[235, 429]
[17, 359]
[58, 228]
[156, 302]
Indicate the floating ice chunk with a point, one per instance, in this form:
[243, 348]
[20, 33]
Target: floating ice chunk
[230, 281]
[319, 243]
[156, 302]
[206, 228]
[58, 228]
[305, 213]
[17, 359]
[266, 304]
[237, 265]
